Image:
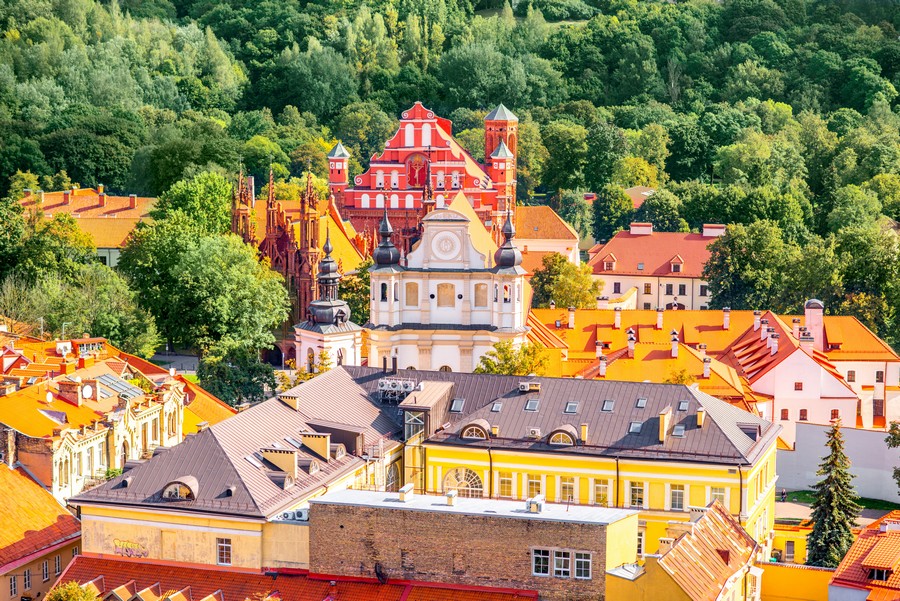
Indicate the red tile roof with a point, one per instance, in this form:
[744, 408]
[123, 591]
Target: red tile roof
[656, 251]
[291, 585]
[639, 194]
[542, 222]
[873, 548]
[32, 520]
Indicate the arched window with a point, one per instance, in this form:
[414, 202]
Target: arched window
[379, 179]
[426, 135]
[392, 478]
[481, 295]
[384, 290]
[395, 179]
[395, 201]
[454, 178]
[446, 368]
[379, 201]
[409, 135]
[441, 201]
[340, 356]
[396, 291]
[410, 201]
[364, 200]
[465, 482]
[440, 180]
[474, 433]
[506, 293]
[562, 439]
[412, 294]
[178, 491]
[310, 360]
[446, 295]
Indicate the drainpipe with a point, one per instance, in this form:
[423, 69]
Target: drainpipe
[740, 493]
[490, 474]
[617, 481]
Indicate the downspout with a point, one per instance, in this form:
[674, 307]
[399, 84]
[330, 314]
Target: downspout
[490, 473]
[740, 493]
[617, 481]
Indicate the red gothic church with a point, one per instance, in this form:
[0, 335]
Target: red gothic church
[423, 167]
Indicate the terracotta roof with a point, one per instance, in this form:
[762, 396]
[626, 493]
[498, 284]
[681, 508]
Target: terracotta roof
[876, 547]
[237, 584]
[639, 194]
[204, 405]
[703, 559]
[31, 520]
[108, 224]
[542, 222]
[656, 251]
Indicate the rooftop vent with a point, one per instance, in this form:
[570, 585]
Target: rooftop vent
[406, 493]
[394, 390]
[535, 504]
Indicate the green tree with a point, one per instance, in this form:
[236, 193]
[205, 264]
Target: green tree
[893, 441]
[70, 591]
[206, 199]
[53, 246]
[606, 146]
[662, 209]
[576, 211]
[234, 373]
[834, 507]
[504, 358]
[354, 288]
[612, 210]
[364, 128]
[566, 143]
[564, 283]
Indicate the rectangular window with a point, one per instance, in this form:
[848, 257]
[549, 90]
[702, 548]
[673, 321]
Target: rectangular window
[412, 294]
[608, 266]
[57, 568]
[835, 414]
[571, 407]
[456, 405]
[74, 552]
[646, 306]
[704, 290]
[506, 484]
[803, 415]
[567, 489]
[785, 415]
[879, 574]
[45, 571]
[676, 267]
[481, 295]
[446, 295]
[676, 497]
[648, 289]
[540, 562]
[13, 586]
[583, 566]
[562, 564]
[879, 376]
[532, 404]
[608, 405]
[878, 407]
[669, 289]
[682, 289]
[636, 496]
[617, 288]
[640, 545]
[413, 423]
[634, 428]
[798, 385]
[789, 551]
[601, 493]
[717, 493]
[640, 267]
[223, 551]
[534, 485]
[26, 580]
[851, 375]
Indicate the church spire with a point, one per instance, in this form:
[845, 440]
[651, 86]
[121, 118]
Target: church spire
[386, 253]
[508, 256]
[329, 276]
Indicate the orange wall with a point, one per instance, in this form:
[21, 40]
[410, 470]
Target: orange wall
[786, 582]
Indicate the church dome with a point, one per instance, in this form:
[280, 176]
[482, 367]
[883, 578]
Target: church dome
[386, 253]
[508, 256]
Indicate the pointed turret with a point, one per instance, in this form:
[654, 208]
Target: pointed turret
[386, 254]
[508, 257]
[338, 152]
[328, 309]
[338, 180]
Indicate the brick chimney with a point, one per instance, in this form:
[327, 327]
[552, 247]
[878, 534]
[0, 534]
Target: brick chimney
[707, 364]
[101, 197]
[756, 322]
[617, 318]
[26, 193]
[571, 318]
[659, 318]
[132, 201]
[726, 318]
[67, 197]
[71, 392]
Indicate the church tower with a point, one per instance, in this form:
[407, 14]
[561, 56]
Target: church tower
[501, 140]
[328, 327]
[307, 231]
[338, 160]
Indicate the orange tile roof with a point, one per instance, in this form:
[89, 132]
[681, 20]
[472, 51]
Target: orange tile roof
[541, 222]
[639, 194]
[109, 224]
[712, 551]
[31, 520]
[873, 548]
[204, 405]
[656, 252]
[293, 585]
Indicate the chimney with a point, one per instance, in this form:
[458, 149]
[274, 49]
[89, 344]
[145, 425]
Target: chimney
[641, 229]
[707, 363]
[552, 304]
[406, 493]
[67, 197]
[495, 431]
[631, 346]
[665, 545]
[702, 348]
[71, 392]
[26, 193]
[102, 199]
[815, 322]
[571, 318]
[664, 416]
[603, 302]
[774, 339]
[603, 366]
[41, 196]
[451, 497]
[807, 343]
[132, 201]
[763, 329]
[726, 318]
[674, 347]
[659, 318]
[756, 321]
[795, 330]
[617, 318]
[584, 433]
[701, 417]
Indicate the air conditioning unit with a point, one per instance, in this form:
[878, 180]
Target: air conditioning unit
[287, 515]
[534, 432]
[395, 385]
[529, 386]
[302, 515]
[523, 386]
[383, 384]
[408, 386]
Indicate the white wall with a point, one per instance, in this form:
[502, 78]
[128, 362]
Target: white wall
[871, 461]
[657, 297]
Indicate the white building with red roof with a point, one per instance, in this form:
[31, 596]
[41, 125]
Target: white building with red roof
[664, 268]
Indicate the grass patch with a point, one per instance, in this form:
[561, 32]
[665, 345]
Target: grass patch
[191, 378]
[806, 497]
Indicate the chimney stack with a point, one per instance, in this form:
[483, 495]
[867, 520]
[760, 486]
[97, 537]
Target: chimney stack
[701, 417]
[67, 197]
[674, 347]
[763, 329]
[26, 193]
[769, 332]
[100, 188]
[584, 433]
[603, 302]
[552, 304]
[702, 348]
[617, 318]
[631, 346]
[814, 310]
[659, 318]
[665, 545]
[102, 198]
[664, 416]
[756, 321]
[603, 366]
[726, 318]
[807, 343]
[132, 201]
[774, 339]
[707, 363]
[451, 497]
[406, 493]
[571, 318]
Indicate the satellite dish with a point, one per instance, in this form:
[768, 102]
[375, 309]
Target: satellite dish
[87, 392]
[49, 397]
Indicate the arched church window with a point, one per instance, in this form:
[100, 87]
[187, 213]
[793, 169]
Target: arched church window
[412, 294]
[439, 184]
[379, 201]
[409, 135]
[441, 202]
[465, 482]
[310, 360]
[379, 179]
[384, 292]
[446, 295]
[395, 179]
[396, 291]
[455, 180]
[426, 135]
[445, 368]
[395, 201]
[364, 201]
[340, 356]
[506, 293]
[410, 201]
[481, 295]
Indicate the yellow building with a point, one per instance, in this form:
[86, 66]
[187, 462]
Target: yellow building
[235, 494]
[662, 449]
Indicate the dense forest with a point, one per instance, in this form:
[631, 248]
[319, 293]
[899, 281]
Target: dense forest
[777, 116]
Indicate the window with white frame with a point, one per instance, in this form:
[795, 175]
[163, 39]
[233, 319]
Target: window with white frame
[56, 565]
[636, 494]
[534, 485]
[601, 493]
[45, 571]
[640, 544]
[74, 552]
[13, 586]
[540, 562]
[566, 489]
[562, 564]
[506, 484]
[223, 551]
[676, 497]
[717, 493]
[582, 566]
[26, 579]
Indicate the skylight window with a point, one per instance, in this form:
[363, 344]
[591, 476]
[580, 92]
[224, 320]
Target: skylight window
[608, 405]
[293, 442]
[456, 405]
[532, 404]
[682, 405]
[634, 428]
[496, 407]
[571, 407]
[641, 403]
[678, 431]
[640, 266]
[253, 461]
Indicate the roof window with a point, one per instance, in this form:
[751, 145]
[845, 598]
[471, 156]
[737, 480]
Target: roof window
[571, 407]
[640, 266]
[456, 405]
[253, 461]
[678, 431]
[634, 428]
[682, 405]
[641, 403]
[532, 404]
[496, 407]
[608, 405]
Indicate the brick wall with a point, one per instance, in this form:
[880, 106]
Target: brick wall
[452, 548]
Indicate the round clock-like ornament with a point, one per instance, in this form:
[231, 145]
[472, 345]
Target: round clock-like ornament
[445, 245]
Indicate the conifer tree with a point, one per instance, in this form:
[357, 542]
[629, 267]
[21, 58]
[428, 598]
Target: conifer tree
[835, 507]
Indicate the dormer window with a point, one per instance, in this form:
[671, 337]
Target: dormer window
[609, 266]
[880, 575]
[474, 433]
[676, 267]
[561, 439]
[183, 489]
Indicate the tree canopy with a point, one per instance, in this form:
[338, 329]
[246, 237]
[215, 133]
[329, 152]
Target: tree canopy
[505, 358]
[564, 283]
